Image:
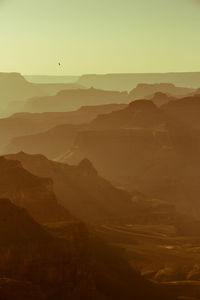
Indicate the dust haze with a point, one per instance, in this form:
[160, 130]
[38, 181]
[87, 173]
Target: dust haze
[100, 173]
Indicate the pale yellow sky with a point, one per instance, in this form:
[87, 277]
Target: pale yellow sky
[92, 36]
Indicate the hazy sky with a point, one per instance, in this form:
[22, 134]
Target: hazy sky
[99, 36]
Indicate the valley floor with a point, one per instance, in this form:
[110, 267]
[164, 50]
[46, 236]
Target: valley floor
[160, 255]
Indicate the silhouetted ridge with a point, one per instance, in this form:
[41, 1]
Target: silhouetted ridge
[139, 113]
[87, 168]
[80, 189]
[142, 104]
[67, 100]
[126, 82]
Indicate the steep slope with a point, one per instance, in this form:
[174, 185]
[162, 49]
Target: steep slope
[31, 192]
[87, 195]
[126, 82]
[40, 264]
[73, 99]
[17, 226]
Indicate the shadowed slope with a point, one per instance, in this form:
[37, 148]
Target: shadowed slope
[31, 192]
[80, 189]
[49, 267]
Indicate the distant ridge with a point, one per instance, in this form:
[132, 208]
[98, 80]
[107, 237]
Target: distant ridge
[51, 78]
[126, 82]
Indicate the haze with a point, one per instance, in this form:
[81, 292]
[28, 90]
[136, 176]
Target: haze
[94, 36]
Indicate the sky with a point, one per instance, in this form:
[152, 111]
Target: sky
[99, 36]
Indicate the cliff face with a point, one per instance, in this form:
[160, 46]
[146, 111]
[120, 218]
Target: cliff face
[81, 189]
[31, 192]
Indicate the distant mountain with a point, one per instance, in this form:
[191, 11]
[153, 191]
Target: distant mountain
[51, 78]
[79, 188]
[15, 90]
[51, 143]
[13, 87]
[11, 127]
[126, 82]
[85, 114]
[52, 89]
[144, 91]
[27, 124]
[31, 192]
[67, 100]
